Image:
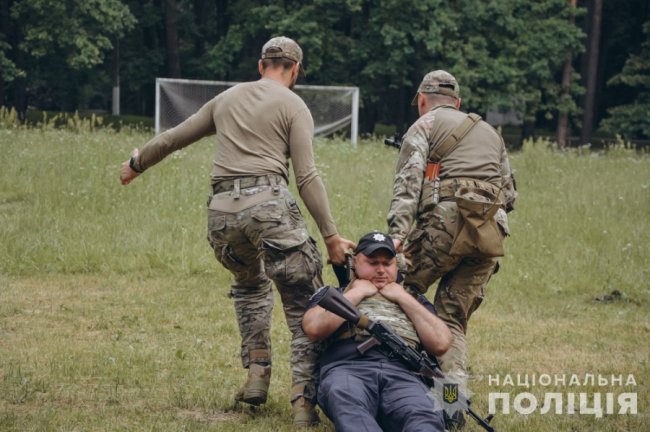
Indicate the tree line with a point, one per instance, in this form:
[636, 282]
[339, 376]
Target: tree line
[575, 67]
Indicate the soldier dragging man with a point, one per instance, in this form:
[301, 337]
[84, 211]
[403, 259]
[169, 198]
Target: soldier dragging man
[453, 186]
[254, 224]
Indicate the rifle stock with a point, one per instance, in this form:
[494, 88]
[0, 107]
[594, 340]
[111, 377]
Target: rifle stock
[329, 298]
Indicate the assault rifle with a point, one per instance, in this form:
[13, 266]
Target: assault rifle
[395, 141]
[392, 345]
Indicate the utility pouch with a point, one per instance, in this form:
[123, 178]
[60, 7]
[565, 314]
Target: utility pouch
[478, 233]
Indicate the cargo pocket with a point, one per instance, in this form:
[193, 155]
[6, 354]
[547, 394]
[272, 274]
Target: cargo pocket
[268, 213]
[222, 251]
[291, 257]
[216, 225]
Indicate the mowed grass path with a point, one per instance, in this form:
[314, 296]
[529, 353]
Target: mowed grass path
[114, 315]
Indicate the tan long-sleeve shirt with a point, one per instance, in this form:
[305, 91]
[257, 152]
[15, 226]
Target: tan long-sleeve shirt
[259, 126]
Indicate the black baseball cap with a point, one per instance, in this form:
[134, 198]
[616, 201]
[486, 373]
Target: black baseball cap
[374, 241]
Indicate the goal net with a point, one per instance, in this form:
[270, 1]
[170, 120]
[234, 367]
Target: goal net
[332, 107]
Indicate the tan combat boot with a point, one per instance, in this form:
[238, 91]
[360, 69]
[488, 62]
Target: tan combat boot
[304, 411]
[256, 388]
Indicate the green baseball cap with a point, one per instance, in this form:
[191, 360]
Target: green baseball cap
[438, 81]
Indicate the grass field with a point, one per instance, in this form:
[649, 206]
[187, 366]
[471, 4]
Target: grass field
[114, 315]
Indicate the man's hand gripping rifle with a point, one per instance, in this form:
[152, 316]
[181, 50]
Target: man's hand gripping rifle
[391, 344]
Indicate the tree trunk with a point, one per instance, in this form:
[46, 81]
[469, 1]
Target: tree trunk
[223, 18]
[116, 80]
[527, 131]
[4, 29]
[171, 31]
[20, 87]
[401, 111]
[201, 18]
[563, 117]
[368, 118]
[592, 73]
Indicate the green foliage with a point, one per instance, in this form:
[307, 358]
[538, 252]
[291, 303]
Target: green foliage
[509, 57]
[61, 46]
[507, 54]
[8, 69]
[633, 120]
[80, 30]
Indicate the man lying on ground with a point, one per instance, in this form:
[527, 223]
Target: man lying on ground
[372, 392]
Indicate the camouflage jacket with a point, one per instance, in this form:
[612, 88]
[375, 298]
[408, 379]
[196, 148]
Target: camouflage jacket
[481, 155]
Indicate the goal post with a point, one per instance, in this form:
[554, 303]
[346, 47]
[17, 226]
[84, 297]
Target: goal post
[332, 107]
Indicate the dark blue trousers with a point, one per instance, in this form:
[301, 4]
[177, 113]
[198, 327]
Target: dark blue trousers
[377, 395]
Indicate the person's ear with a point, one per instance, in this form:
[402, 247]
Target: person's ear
[260, 67]
[422, 103]
[457, 103]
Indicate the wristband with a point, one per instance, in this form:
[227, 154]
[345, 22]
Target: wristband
[133, 164]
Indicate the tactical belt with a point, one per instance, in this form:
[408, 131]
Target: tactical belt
[242, 193]
[247, 182]
[448, 187]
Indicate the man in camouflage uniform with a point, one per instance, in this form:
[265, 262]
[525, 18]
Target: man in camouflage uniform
[374, 392]
[254, 224]
[478, 162]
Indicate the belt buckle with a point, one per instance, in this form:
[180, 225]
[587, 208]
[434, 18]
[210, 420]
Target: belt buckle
[236, 190]
[274, 184]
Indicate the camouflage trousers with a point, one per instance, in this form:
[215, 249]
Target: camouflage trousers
[462, 283]
[267, 243]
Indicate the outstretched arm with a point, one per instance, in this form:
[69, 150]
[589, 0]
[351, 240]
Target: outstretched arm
[199, 125]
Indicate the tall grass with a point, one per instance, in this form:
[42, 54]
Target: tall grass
[114, 314]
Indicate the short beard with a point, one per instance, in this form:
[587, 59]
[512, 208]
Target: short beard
[293, 82]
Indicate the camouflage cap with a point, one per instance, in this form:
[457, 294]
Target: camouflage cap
[438, 81]
[288, 48]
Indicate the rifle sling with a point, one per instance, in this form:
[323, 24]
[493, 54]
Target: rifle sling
[454, 138]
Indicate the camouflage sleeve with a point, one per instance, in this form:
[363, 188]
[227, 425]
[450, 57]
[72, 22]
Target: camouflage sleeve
[409, 175]
[508, 181]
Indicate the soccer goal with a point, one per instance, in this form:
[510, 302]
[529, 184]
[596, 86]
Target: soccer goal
[332, 107]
